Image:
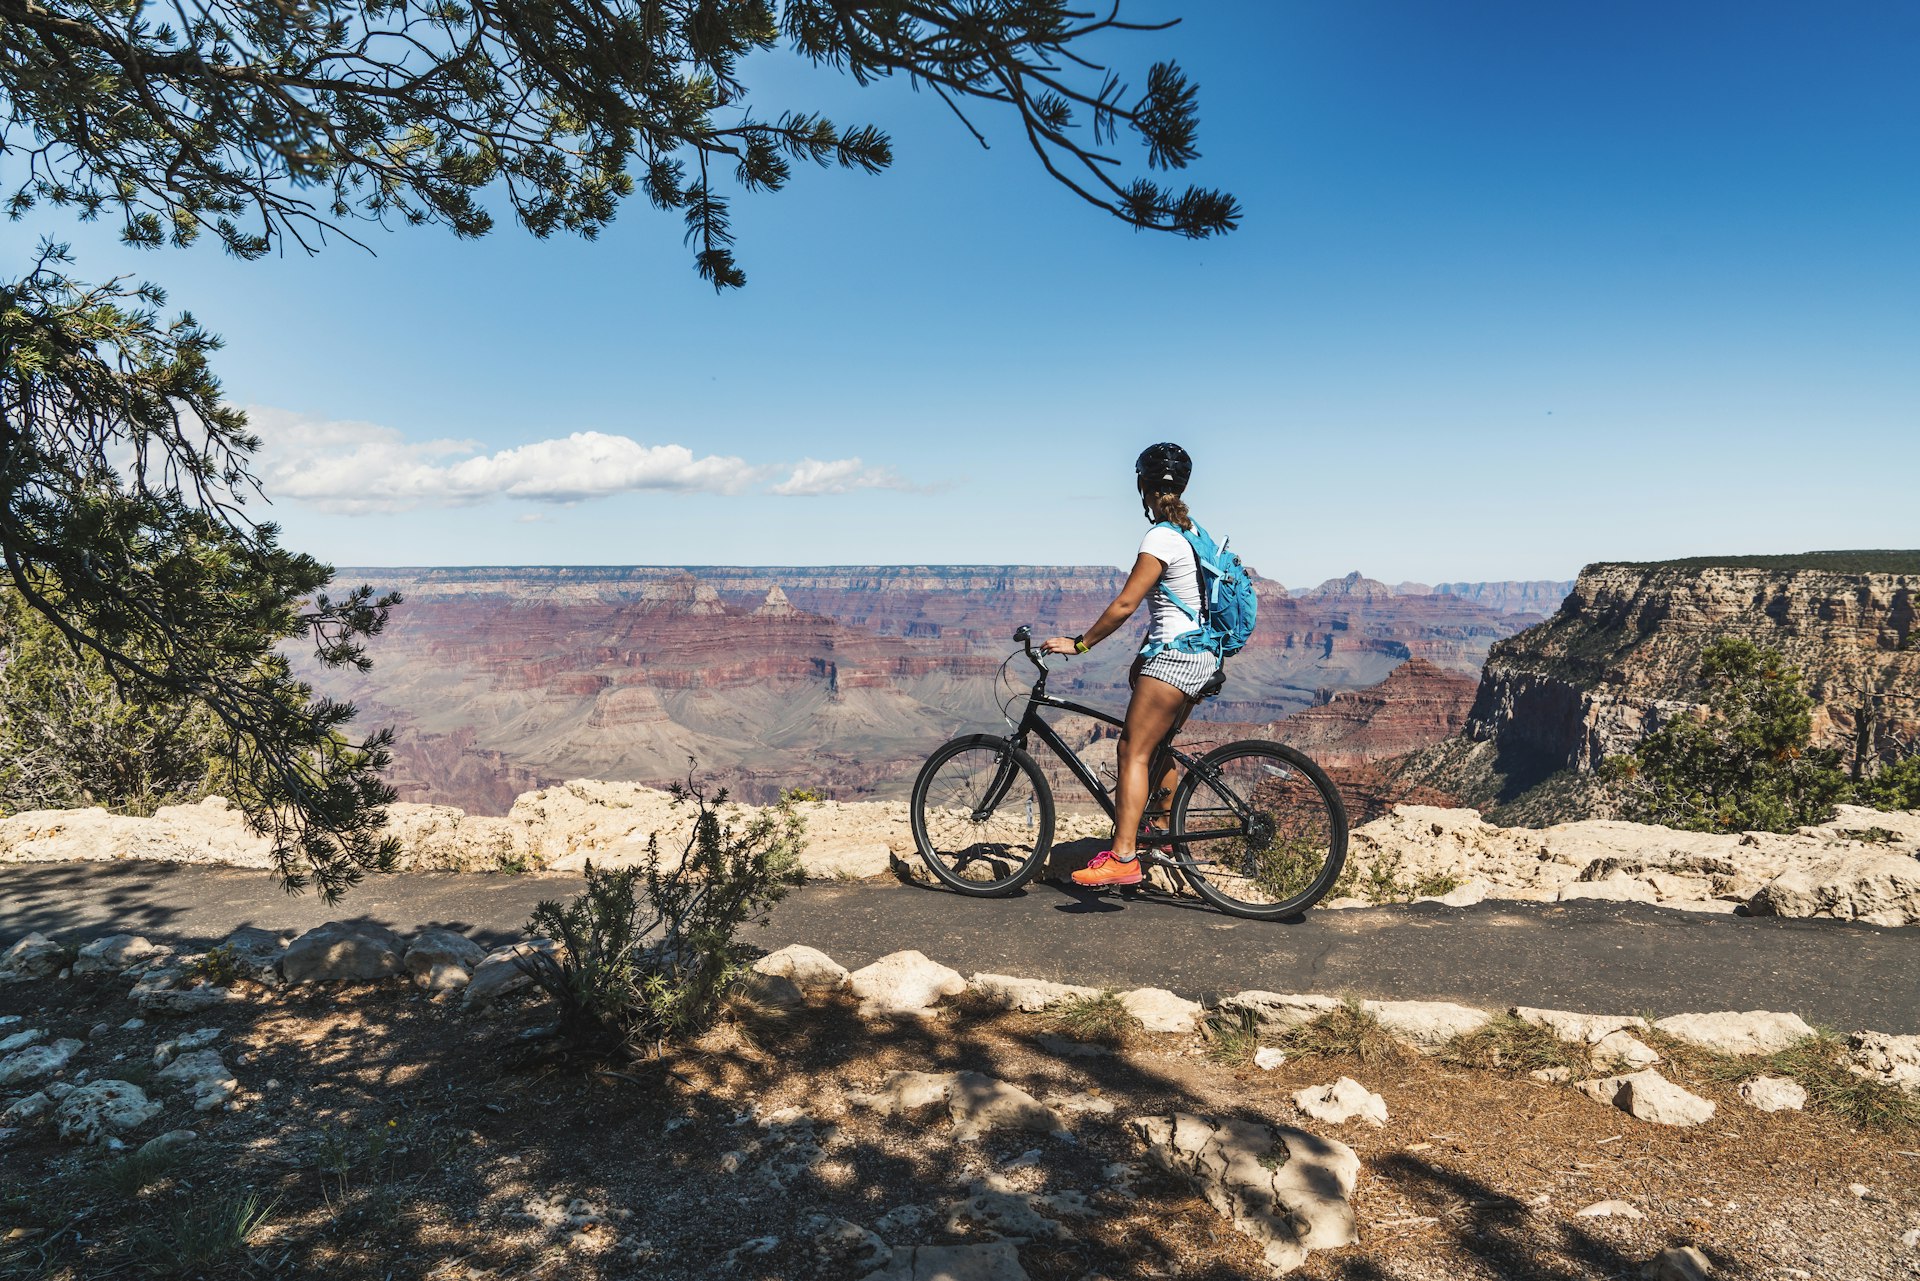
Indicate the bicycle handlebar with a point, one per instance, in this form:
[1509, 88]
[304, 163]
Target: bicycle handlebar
[1025, 637]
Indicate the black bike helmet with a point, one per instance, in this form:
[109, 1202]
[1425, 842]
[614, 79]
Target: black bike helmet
[1164, 467]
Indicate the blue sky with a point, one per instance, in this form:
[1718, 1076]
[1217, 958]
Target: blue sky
[1519, 286]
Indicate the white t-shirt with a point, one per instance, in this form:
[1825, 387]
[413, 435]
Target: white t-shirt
[1181, 577]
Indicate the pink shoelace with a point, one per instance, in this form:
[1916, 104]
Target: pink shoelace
[1105, 857]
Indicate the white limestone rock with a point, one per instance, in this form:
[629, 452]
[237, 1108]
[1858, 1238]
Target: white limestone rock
[1727, 1032]
[1893, 1059]
[1161, 1011]
[976, 1103]
[1880, 889]
[1773, 1094]
[1579, 1029]
[36, 1062]
[204, 1076]
[1614, 889]
[1426, 1025]
[1007, 992]
[198, 1039]
[975, 1261]
[1650, 1097]
[1344, 1100]
[904, 983]
[1267, 1058]
[809, 968]
[21, 1040]
[343, 952]
[1288, 1191]
[1622, 1052]
[1682, 1263]
[103, 1110]
[27, 1109]
[497, 974]
[442, 960]
[34, 956]
[1609, 1210]
[114, 954]
[1278, 1009]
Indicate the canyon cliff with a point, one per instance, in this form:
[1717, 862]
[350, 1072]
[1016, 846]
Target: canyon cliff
[1621, 655]
[837, 679]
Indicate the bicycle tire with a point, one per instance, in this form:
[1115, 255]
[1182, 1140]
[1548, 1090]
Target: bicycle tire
[964, 846]
[1297, 844]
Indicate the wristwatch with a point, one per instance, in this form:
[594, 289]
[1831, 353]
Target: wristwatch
[1080, 645]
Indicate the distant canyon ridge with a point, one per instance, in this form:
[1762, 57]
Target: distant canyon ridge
[841, 679]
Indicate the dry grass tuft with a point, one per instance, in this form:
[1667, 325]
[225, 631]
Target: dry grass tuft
[1820, 1064]
[1097, 1020]
[1348, 1032]
[1512, 1045]
[1232, 1038]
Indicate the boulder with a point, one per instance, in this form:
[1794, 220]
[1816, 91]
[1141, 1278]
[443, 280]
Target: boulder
[1773, 1094]
[36, 1062]
[1893, 1059]
[21, 1040]
[1648, 1096]
[1426, 1025]
[904, 983]
[1615, 889]
[773, 991]
[163, 991]
[1267, 1058]
[980, 1261]
[1279, 1010]
[497, 973]
[810, 969]
[1725, 1032]
[440, 838]
[1161, 1011]
[31, 1107]
[1880, 889]
[204, 1076]
[442, 960]
[167, 1142]
[994, 1205]
[103, 1110]
[1579, 1029]
[255, 954]
[846, 860]
[1622, 1052]
[1285, 1189]
[33, 957]
[198, 1039]
[1006, 992]
[343, 952]
[915, 1096]
[1345, 1100]
[113, 954]
[1609, 1210]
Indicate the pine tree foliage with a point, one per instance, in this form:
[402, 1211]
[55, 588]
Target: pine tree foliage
[123, 484]
[69, 737]
[1745, 763]
[262, 122]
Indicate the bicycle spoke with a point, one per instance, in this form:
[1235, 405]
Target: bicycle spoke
[981, 817]
[1257, 829]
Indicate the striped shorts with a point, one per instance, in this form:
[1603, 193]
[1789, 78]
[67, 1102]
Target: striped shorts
[1188, 673]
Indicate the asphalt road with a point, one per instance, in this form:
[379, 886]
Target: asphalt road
[1600, 957]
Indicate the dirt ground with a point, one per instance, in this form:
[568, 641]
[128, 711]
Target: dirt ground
[382, 1134]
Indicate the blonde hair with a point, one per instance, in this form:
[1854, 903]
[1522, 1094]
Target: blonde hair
[1166, 507]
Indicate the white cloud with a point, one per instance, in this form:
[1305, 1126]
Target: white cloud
[357, 468]
[839, 476]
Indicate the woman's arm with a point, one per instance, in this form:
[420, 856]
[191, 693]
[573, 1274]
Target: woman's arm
[1146, 572]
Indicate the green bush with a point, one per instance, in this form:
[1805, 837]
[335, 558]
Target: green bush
[648, 952]
[1895, 786]
[1746, 765]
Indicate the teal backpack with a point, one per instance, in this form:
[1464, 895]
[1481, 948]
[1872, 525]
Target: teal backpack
[1228, 607]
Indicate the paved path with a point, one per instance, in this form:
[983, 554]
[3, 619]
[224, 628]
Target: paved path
[1601, 957]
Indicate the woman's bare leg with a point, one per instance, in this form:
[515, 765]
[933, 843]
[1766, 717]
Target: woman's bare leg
[1156, 706]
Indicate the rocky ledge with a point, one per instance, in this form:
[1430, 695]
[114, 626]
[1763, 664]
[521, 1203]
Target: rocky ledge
[1864, 865]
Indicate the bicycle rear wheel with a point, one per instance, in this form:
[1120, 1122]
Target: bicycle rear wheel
[1262, 827]
[982, 816]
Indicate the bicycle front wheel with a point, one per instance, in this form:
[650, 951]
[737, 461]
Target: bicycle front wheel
[982, 816]
[1260, 830]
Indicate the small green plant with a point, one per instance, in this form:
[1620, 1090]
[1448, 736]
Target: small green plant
[802, 796]
[1100, 1020]
[200, 1236]
[1348, 1032]
[1508, 1044]
[647, 953]
[1233, 1036]
[516, 864]
[1746, 764]
[219, 966]
[1379, 880]
[1870, 835]
[1895, 786]
[128, 1176]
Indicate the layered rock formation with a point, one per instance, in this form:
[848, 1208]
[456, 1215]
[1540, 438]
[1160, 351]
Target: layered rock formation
[835, 679]
[1418, 705]
[1622, 653]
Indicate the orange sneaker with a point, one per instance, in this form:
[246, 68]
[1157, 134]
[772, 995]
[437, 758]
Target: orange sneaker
[1105, 869]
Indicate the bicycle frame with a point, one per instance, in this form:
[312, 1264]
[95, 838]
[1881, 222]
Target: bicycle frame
[1032, 723]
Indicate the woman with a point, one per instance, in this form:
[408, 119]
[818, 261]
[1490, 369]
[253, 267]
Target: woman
[1167, 679]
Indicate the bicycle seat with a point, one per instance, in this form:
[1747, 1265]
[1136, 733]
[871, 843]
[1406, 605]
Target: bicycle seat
[1215, 683]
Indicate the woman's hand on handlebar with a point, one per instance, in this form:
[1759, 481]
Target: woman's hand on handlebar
[1060, 645]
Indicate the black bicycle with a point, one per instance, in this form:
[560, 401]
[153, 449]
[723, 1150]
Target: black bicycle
[1255, 827]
